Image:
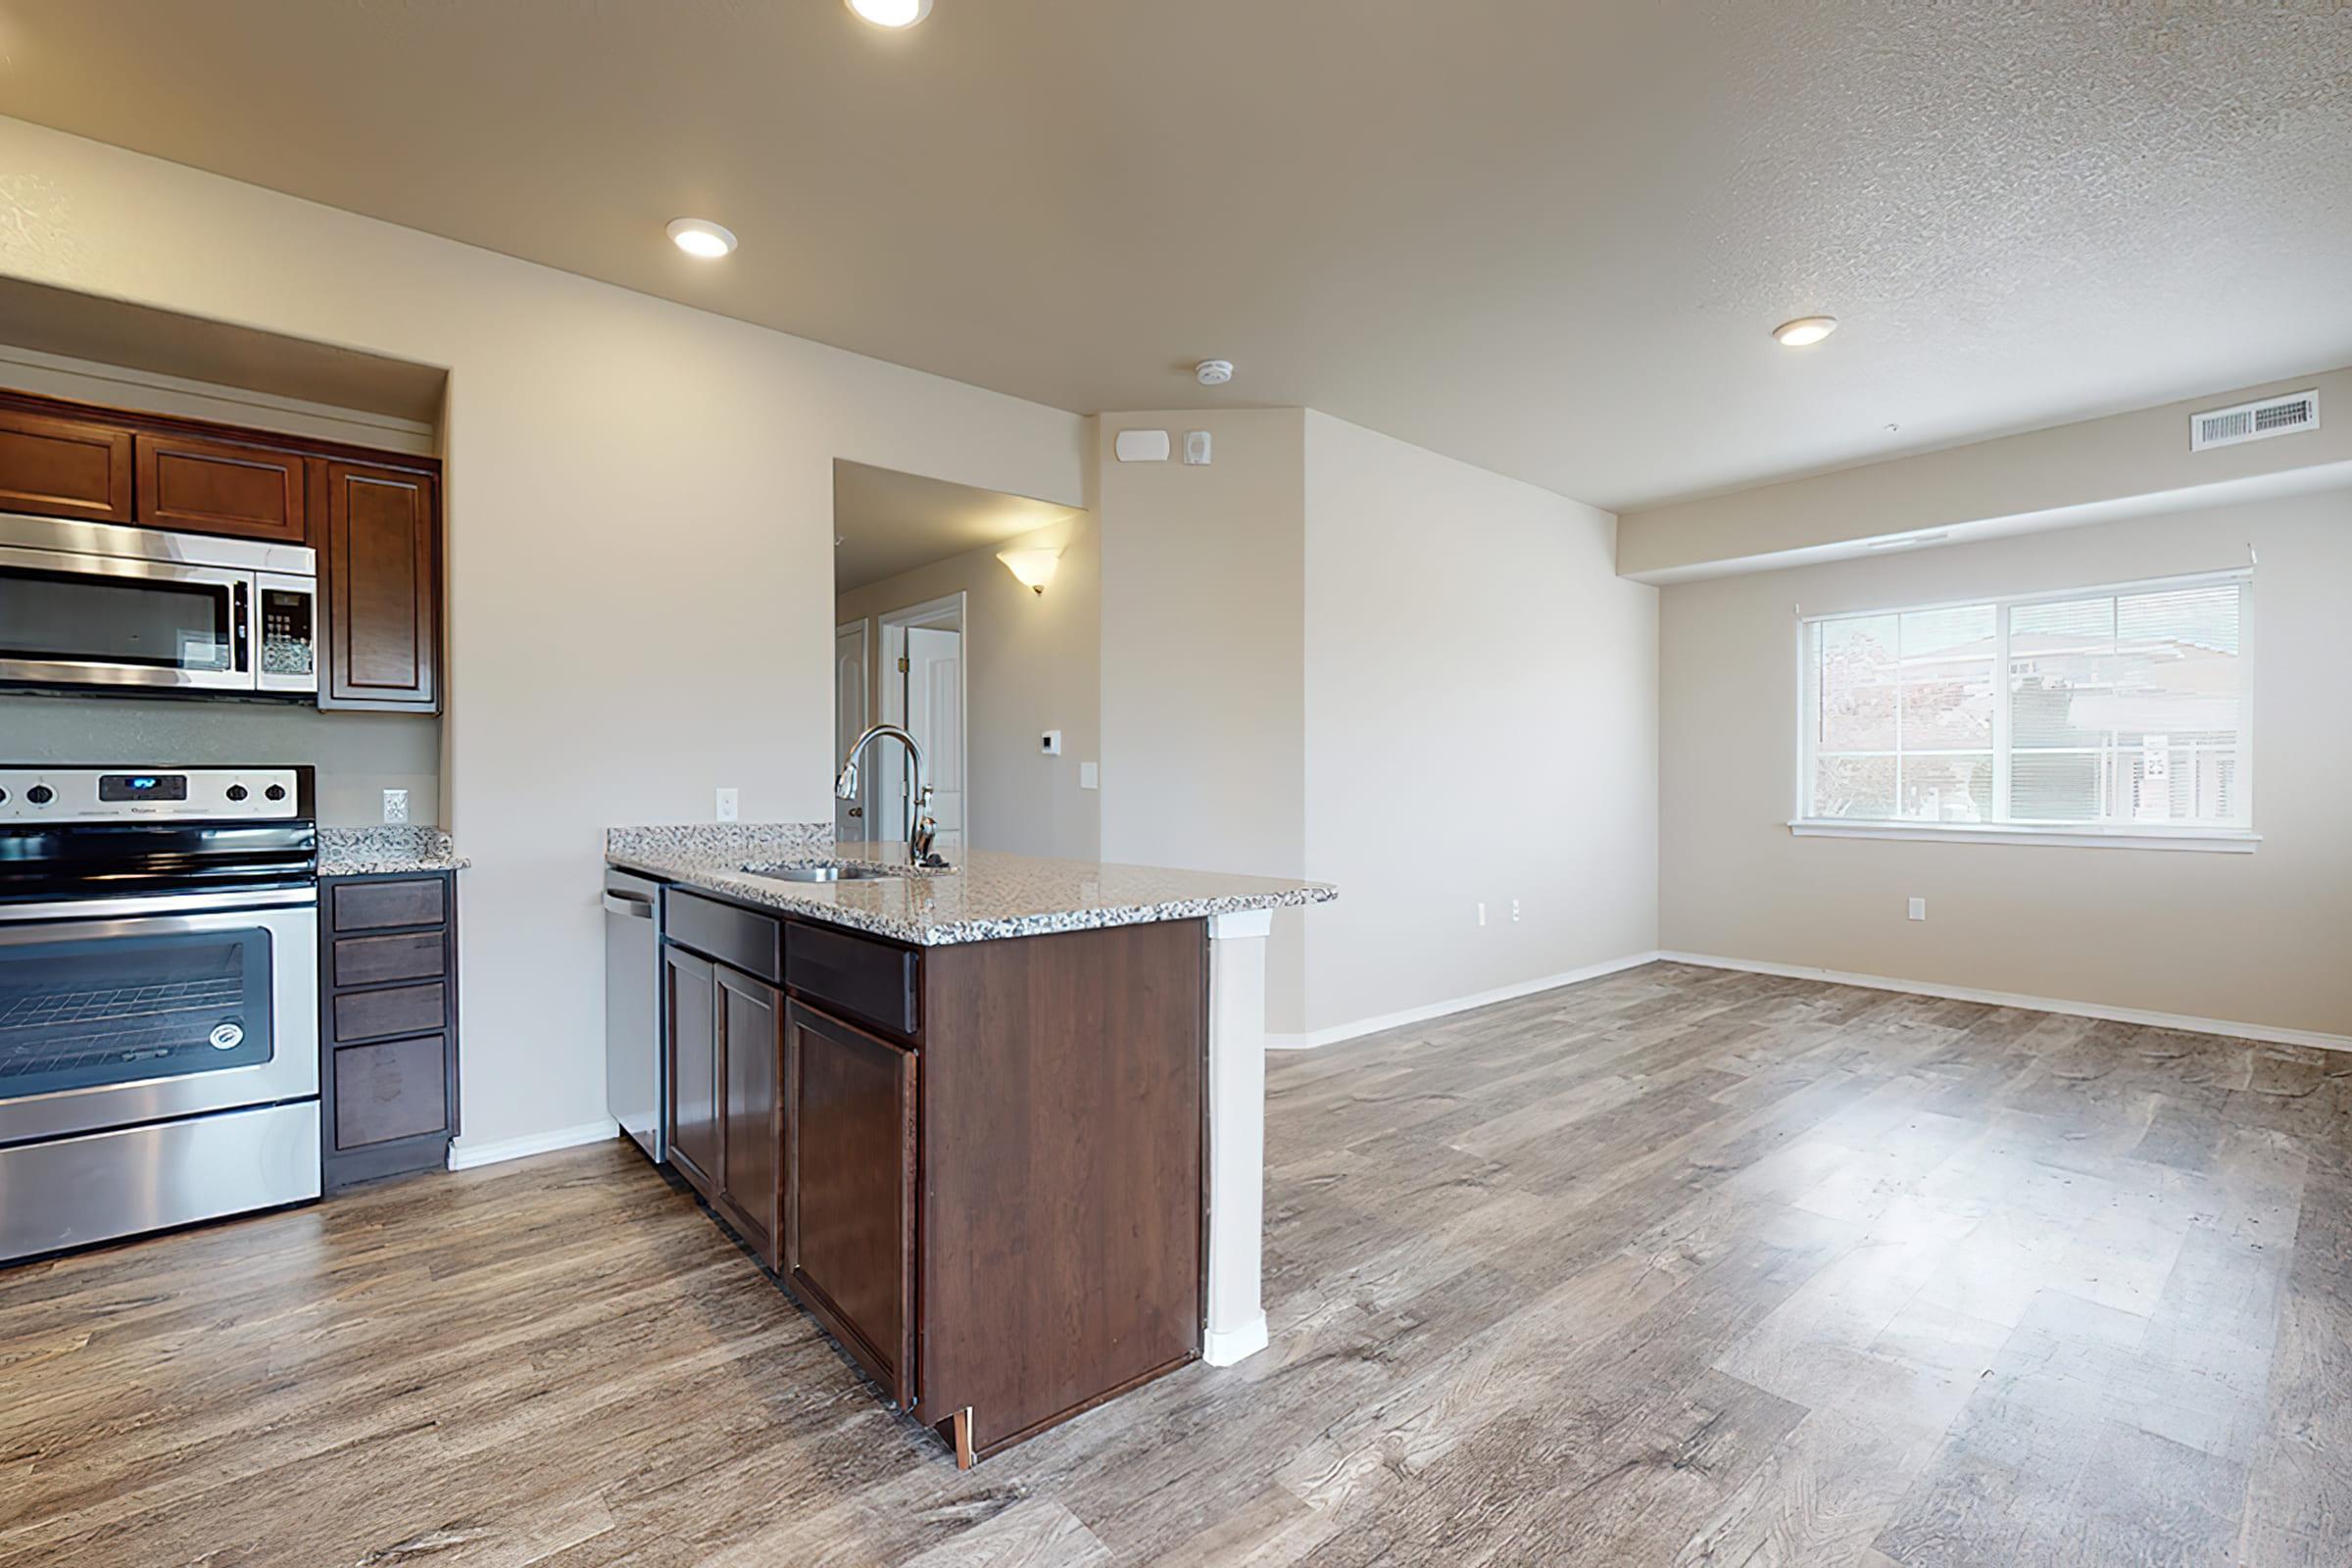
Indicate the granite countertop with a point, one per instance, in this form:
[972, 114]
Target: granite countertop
[983, 897]
[386, 851]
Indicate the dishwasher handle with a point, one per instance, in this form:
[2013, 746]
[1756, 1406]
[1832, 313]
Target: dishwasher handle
[628, 903]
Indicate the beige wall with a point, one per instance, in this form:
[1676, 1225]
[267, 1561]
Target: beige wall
[1203, 660]
[2255, 937]
[358, 756]
[2126, 463]
[640, 519]
[1480, 727]
[1033, 662]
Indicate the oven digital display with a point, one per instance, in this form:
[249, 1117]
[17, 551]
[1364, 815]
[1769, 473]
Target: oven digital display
[142, 786]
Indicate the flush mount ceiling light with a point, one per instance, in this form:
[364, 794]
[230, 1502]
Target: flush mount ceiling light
[892, 13]
[1804, 332]
[1034, 567]
[699, 236]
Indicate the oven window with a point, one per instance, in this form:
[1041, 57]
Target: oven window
[78, 1014]
[89, 619]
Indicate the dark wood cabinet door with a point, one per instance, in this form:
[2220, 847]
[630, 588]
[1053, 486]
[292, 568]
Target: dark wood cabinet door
[383, 590]
[199, 486]
[750, 1038]
[58, 468]
[850, 1190]
[689, 997]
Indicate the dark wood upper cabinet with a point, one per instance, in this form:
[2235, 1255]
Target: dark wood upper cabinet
[60, 468]
[689, 998]
[849, 1228]
[200, 486]
[383, 597]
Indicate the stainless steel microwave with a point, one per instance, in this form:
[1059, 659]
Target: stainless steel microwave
[92, 603]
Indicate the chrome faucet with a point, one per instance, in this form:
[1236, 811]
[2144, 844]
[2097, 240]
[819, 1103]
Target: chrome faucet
[921, 831]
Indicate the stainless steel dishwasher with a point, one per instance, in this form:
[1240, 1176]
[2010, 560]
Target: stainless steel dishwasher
[636, 1067]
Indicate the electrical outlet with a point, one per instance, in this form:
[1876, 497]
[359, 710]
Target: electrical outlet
[1918, 909]
[396, 806]
[726, 805]
[1514, 911]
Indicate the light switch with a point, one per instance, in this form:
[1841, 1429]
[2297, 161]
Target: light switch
[1049, 743]
[1087, 779]
[1918, 909]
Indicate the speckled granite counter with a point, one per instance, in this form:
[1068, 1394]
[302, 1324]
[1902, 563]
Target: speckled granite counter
[983, 897]
[386, 851]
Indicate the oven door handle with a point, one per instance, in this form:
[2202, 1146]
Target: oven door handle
[131, 908]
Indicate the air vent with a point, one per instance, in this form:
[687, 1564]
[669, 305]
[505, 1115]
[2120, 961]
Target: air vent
[2254, 421]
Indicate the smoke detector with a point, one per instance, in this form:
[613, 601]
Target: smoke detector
[1214, 373]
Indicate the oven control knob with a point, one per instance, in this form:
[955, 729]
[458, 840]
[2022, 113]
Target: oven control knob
[40, 795]
[275, 792]
[236, 792]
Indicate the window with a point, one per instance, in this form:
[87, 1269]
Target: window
[2110, 713]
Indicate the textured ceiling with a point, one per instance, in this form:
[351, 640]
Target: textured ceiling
[888, 522]
[1546, 238]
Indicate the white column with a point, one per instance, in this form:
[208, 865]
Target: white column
[1237, 1134]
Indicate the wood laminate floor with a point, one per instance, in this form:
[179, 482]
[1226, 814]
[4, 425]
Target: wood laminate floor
[1676, 1267]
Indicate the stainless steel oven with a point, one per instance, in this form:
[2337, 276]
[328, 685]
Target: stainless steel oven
[90, 603]
[159, 1003]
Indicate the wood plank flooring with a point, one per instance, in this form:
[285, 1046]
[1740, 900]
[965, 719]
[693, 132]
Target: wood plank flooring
[1676, 1267]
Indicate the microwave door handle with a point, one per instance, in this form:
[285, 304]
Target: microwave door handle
[240, 615]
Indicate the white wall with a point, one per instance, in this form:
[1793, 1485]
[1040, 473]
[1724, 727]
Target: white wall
[2259, 939]
[1033, 662]
[640, 516]
[1204, 662]
[1480, 727]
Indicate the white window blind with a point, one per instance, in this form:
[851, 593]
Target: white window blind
[2100, 709]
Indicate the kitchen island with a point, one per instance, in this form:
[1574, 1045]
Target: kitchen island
[998, 1127]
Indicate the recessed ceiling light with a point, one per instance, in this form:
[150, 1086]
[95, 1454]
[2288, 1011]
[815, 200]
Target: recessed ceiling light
[1804, 332]
[699, 236]
[892, 13]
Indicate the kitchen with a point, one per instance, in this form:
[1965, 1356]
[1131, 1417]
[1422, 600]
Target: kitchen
[869, 1060]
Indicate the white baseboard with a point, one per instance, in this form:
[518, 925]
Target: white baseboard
[1236, 1344]
[1439, 1010]
[2007, 999]
[464, 1155]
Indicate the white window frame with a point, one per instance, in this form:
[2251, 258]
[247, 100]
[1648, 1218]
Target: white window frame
[2238, 839]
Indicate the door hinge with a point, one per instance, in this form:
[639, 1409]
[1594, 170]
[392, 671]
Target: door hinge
[902, 665]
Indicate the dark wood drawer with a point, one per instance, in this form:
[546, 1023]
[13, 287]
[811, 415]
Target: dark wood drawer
[869, 981]
[373, 905]
[396, 1090]
[397, 1011]
[741, 938]
[380, 960]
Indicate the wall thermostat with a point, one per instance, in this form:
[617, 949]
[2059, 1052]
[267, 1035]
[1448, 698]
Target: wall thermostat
[1142, 446]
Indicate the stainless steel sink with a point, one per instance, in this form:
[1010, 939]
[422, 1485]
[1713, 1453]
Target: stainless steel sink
[824, 872]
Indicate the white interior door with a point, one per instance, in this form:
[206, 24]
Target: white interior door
[934, 708]
[853, 821]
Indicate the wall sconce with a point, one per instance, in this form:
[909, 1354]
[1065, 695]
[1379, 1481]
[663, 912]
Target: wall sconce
[1034, 567]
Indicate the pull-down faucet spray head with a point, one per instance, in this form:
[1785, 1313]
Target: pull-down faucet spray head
[846, 786]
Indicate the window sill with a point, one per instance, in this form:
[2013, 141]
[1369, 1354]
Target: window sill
[2120, 835]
